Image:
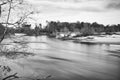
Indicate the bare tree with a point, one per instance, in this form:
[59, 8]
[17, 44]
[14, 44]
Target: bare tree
[20, 8]
[8, 16]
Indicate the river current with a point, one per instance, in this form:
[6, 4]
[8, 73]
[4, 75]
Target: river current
[64, 60]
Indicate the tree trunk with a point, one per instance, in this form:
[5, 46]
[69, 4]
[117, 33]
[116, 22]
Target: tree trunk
[0, 10]
[3, 36]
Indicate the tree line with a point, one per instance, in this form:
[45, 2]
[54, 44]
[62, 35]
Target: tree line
[54, 27]
[83, 27]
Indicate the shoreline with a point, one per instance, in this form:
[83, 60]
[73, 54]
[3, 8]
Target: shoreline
[95, 42]
[106, 39]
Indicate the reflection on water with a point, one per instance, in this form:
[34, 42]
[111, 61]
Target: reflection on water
[65, 60]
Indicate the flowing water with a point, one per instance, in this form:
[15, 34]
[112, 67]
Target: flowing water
[65, 60]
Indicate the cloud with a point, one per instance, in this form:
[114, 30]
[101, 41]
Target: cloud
[70, 5]
[113, 5]
[81, 9]
[84, 10]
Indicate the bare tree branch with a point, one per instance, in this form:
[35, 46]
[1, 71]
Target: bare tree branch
[8, 23]
[1, 7]
[3, 3]
[20, 21]
[11, 76]
[10, 3]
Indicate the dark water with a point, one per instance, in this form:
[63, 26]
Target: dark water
[65, 60]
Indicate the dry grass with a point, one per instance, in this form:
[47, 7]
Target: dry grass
[14, 53]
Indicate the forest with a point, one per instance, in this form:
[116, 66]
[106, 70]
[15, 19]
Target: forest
[83, 27]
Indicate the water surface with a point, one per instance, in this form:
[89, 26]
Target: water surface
[65, 60]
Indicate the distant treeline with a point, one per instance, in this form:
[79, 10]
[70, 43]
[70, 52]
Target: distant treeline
[25, 28]
[83, 27]
[53, 27]
[10, 30]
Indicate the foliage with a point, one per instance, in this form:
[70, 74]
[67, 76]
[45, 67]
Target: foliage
[83, 27]
[87, 30]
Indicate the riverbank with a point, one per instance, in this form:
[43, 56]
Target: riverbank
[94, 39]
[106, 39]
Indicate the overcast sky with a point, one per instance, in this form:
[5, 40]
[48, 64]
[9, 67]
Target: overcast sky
[101, 11]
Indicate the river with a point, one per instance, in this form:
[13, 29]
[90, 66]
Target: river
[65, 60]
